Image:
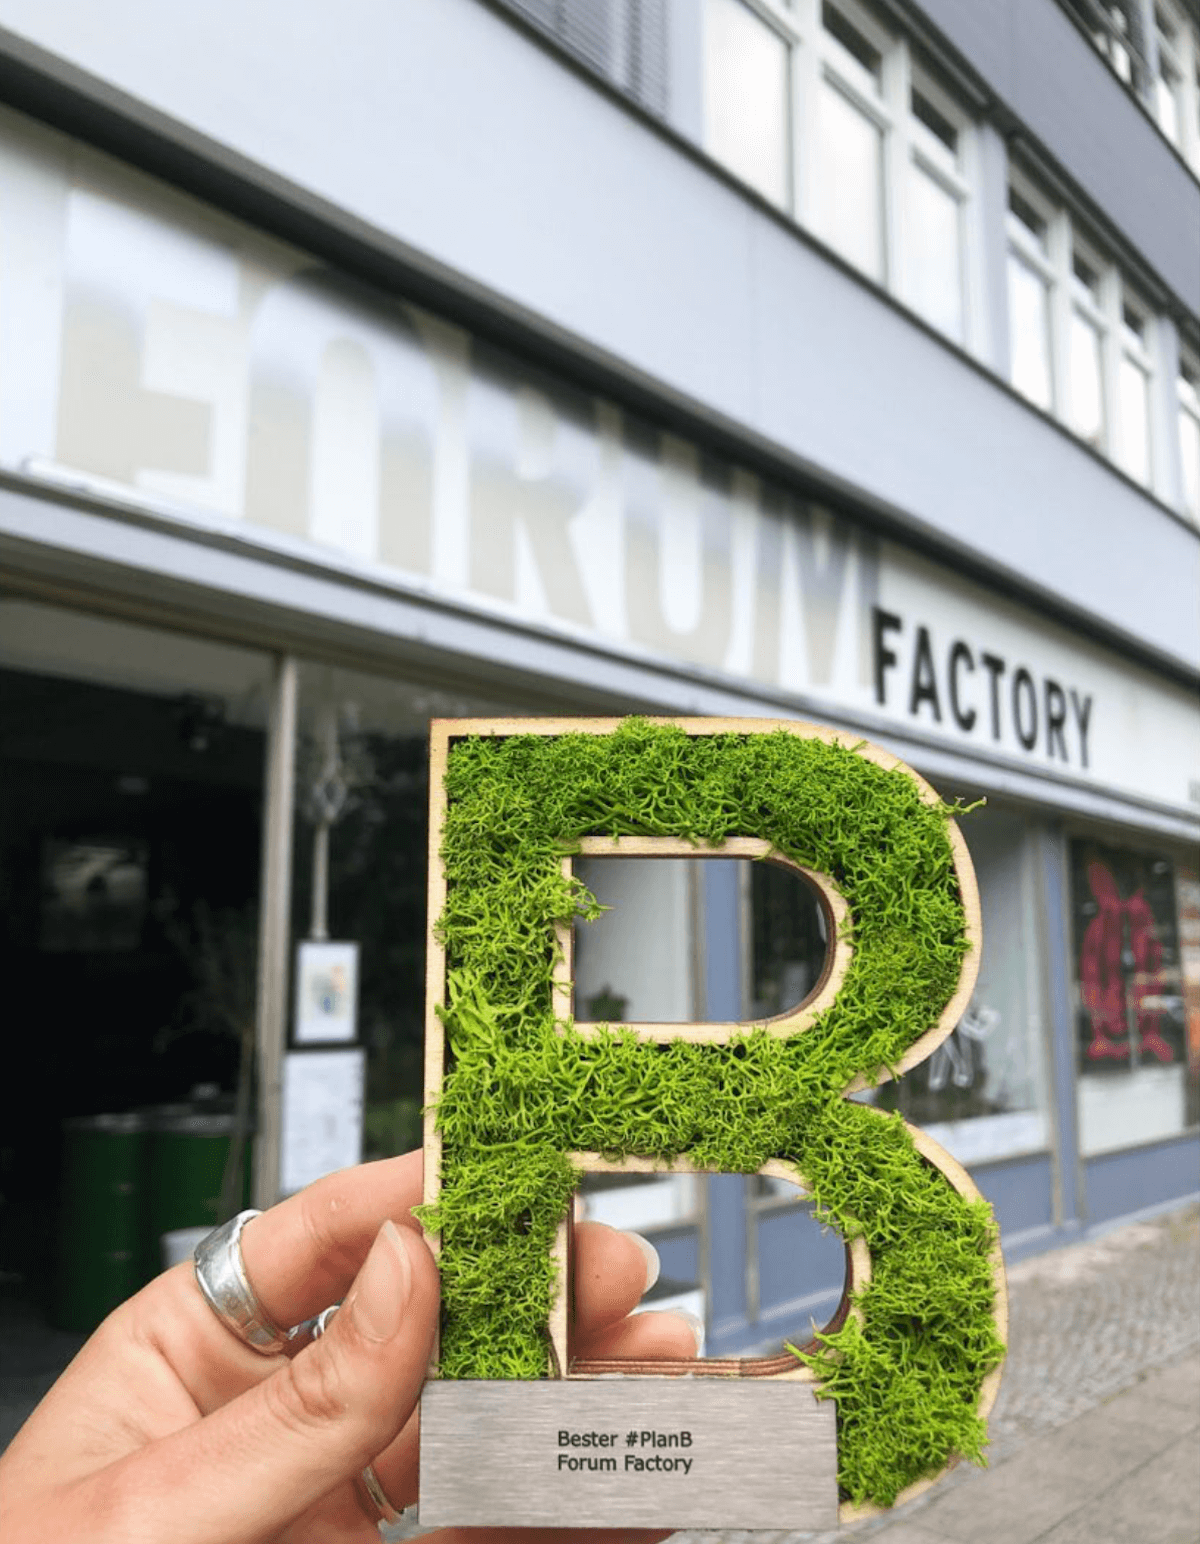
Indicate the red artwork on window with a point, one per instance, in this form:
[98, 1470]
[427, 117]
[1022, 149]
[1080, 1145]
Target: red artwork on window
[1120, 972]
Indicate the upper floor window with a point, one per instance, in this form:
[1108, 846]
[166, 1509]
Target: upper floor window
[1082, 343]
[1153, 48]
[1189, 428]
[1177, 80]
[1115, 28]
[747, 94]
[825, 111]
[1031, 277]
[624, 41]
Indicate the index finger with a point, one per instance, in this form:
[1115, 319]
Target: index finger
[303, 1253]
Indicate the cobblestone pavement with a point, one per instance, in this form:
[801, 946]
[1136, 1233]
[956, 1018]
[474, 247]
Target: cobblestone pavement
[1086, 1323]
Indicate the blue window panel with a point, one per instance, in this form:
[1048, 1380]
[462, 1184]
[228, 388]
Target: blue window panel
[1021, 1193]
[797, 1259]
[1119, 1184]
[727, 1307]
[679, 1255]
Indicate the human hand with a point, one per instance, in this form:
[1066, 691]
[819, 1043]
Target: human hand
[166, 1426]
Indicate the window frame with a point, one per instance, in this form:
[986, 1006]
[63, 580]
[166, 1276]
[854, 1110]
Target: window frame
[1177, 73]
[773, 17]
[1102, 308]
[1188, 413]
[1040, 259]
[819, 63]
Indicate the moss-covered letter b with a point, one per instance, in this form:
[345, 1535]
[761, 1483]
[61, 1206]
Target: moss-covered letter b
[520, 1096]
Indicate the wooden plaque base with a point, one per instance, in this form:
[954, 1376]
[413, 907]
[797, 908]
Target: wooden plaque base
[628, 1451]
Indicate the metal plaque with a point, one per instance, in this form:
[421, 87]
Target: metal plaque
[628, 1451]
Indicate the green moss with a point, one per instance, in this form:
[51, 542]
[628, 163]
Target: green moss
[519, 1093]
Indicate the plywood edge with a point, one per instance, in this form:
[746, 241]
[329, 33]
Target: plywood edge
[501, 728]
[435, 969]
[435, 995]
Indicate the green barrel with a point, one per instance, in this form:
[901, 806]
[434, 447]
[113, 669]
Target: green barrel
[187, 1160]
[102, 1218]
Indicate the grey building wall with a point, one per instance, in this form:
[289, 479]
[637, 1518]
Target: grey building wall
[440, 136]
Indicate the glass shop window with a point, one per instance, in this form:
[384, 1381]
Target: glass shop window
[131, 786]
[983, 1092]
[359, 886]
[1137, 1074]
[638, 963]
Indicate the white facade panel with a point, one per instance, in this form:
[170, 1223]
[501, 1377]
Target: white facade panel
[171, 356]
[606, 236]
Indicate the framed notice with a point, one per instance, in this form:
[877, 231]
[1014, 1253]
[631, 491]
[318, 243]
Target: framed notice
[322, 1114]
[326, 993]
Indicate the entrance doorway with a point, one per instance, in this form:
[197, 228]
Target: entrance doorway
[131, 777]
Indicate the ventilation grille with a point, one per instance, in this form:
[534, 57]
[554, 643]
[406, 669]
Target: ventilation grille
[624, 41]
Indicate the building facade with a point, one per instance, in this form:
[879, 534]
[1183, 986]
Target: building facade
[831, 361]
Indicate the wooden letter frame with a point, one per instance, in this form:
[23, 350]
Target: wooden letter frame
[784, 1368]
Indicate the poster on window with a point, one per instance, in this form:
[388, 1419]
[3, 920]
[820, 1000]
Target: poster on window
[1130, 1008]
[322, 1115]
[326, 993]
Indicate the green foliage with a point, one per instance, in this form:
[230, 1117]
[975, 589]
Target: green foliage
[521, 1090]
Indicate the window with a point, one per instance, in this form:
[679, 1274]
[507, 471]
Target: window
[825, 111]
[1134, 373]
[1189, 429]
[937, 199]
[1082, 345]
[1176, 99]
[1030, 280]
[1085, 342]
[852, 120]
[1162, 72]
[746, 65]
[1114, 27]
[983, 1094]
[1135, 1083]
[624, 41]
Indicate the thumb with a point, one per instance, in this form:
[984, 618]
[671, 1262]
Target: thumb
[246, 1471]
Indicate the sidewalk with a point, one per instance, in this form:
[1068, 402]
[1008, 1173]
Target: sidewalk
[1095, 1438]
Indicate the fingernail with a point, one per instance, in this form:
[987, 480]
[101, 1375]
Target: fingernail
[693, 1322]
[380, 1294]
[653, 1264]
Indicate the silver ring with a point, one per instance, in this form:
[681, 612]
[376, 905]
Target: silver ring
[370, 1480]
[321, 1322]
[370, 1483]
[221, 1277]
[306, 1333]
